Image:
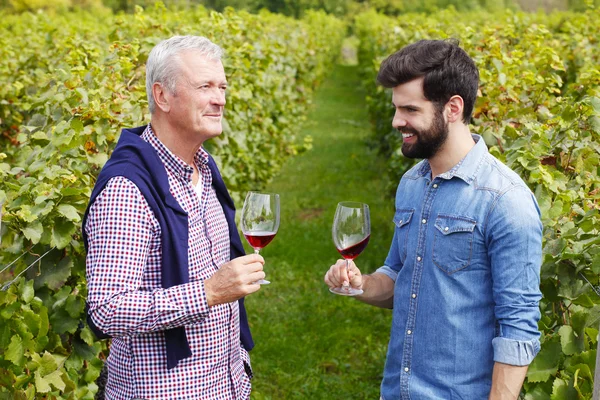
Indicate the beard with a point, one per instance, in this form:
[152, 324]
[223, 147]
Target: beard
[429, 141]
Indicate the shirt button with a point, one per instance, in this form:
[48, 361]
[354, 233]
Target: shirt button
[424, 221]
[418, 258]
[409, 331]
[414, 296]
[446, 229]
[435, 185]
[405, 369]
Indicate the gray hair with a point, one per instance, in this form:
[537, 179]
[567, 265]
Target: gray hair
[163, 62]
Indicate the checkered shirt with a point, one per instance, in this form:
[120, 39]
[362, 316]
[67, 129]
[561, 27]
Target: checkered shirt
[127, 301]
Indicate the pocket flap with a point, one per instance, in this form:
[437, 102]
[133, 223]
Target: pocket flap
[402, 217]
[448, 224]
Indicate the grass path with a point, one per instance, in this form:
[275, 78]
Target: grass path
[312, 344]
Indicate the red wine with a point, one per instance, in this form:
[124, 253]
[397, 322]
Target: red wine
[350, 253]
[259, 239]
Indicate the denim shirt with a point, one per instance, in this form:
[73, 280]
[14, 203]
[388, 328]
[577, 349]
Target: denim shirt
[465, 259]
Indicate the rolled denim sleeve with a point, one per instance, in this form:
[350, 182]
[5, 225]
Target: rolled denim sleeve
[515, 252]
[387, 271]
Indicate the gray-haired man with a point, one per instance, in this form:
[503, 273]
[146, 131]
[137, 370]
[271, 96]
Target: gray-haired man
[166, 268]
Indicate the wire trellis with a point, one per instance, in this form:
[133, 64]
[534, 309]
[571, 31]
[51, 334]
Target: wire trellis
[8, 284]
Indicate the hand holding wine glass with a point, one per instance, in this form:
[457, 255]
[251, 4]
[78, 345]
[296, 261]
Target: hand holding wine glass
[351, 232]
[260, 220]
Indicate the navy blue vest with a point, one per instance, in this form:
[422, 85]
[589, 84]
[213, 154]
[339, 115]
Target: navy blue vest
[136, 160]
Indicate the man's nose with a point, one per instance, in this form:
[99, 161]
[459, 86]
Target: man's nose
[219, 97]
[398, 121]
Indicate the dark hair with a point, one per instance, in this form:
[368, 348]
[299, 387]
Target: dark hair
[447, 70]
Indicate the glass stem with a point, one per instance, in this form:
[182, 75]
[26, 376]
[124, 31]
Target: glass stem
[256, 251]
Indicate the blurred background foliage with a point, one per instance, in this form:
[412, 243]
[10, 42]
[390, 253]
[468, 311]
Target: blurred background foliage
[297, 8]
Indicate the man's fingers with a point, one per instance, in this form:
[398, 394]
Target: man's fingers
[336, 275]
[250, 259]
[329, 280]
[256, 276]
[254, 267]
[252, 287]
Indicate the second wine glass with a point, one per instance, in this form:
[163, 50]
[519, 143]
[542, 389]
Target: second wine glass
[351, 232]
[260, 220]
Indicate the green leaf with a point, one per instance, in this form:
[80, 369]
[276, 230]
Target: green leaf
[45, 364]
[7, 378]
[62, 322]
[76, 124]
[7, 312]
[15, 351]
[545, 364]
[34, 231]
[55, 275]
[31, 319]
[562, 390]
[87, 336]
[568, 340]
[42, 385]
[5, 335]
[69, 212]
[537, 394]
[62, 232]
[75, 306]
[85, 351]
[44, 322]
[26, 290]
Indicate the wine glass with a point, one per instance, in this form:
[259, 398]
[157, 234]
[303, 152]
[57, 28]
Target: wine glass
[260, 220]
[351, 232]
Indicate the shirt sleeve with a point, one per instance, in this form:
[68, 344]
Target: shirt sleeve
[393, 262]
[387, 271]
[515, 252]
[122, 232]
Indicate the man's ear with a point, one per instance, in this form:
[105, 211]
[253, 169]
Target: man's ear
[454, 109]
[161, 97]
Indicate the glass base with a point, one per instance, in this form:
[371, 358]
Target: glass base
[346, 291]
[263, 282]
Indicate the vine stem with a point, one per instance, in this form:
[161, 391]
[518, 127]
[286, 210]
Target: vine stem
[8, 284]
[15, 260]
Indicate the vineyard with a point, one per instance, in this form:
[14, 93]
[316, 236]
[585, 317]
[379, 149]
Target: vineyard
[80, 78]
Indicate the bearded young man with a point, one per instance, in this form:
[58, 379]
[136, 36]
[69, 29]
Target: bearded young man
[166, 270]
[462, 273]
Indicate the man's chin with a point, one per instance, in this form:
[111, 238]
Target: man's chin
[408, 151]
[213, 134]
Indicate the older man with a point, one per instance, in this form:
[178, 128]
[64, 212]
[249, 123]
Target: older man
[166, 268]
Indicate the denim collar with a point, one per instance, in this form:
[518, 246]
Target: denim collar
[466, 169]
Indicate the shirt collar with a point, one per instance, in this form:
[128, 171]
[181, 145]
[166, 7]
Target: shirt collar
[173, 163]
[466, 169]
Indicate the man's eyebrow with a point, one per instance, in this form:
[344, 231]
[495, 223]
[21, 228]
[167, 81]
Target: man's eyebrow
[407, 107]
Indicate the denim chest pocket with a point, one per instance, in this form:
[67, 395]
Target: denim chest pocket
[402, 219]
[453, 242]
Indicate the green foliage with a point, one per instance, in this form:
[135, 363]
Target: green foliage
[539, 110]
[20, 6]
[343, 342]
[70, 83]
